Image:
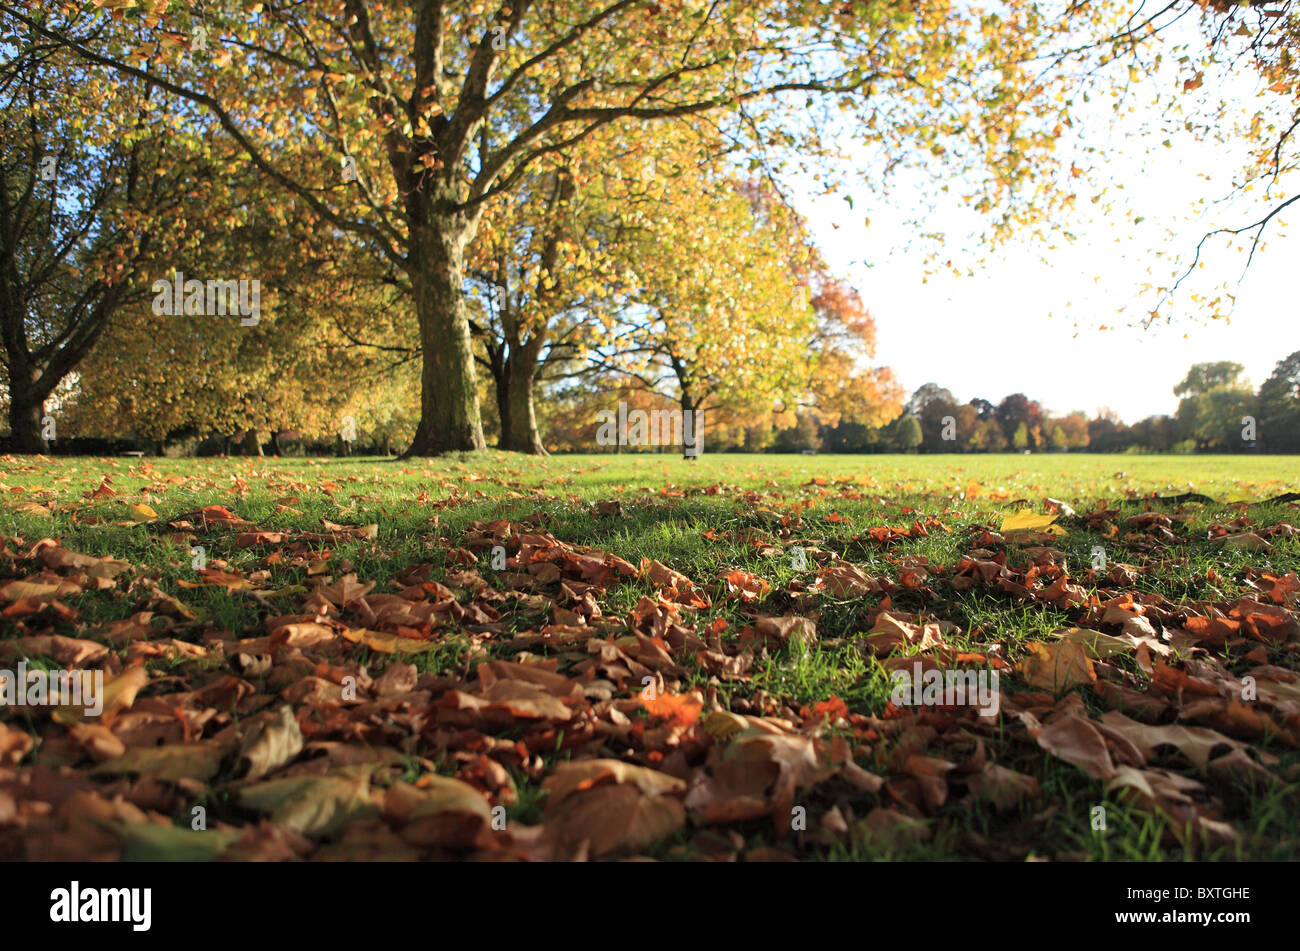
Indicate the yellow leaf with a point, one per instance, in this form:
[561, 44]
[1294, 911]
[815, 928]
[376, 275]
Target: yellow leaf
[142, 513]
[1029, 522]
[118, 694]
[388, 643]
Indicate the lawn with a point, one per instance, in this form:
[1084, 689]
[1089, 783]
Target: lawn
[498, 656]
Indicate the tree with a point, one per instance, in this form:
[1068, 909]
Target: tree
[89, 196]
[1217, 419]
[716, 314]
[420, 115]
[323, 358]
[924, 395]
[988, 436]
[1107, 432]
[1279, 406]
[944, 428]
[1157, 433]
[1215, 399]
[526, 267]
[848, 436]
[1074, 428]
[906, 435]
[1204, 377]
[1019, 411]
[842, 385]
[557, 265]
[802, 436]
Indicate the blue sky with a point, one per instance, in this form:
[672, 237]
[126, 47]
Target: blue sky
[1024, 324]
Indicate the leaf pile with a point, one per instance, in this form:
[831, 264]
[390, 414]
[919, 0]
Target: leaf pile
[516, 695]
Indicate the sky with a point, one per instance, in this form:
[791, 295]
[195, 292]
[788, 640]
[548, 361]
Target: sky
[1021, 324]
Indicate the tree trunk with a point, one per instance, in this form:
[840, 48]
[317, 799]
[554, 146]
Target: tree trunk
[252, 446]
[519, 420]
[449, 409]
[25, 412]
[689, 423]
[501, 385]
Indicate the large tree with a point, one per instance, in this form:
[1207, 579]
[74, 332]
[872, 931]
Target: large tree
[549, 270]
[421, 114]
[91, 197]
[718, 314]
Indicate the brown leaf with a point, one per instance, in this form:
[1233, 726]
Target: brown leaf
[845, 580]
[14, 744]
[272, 743]
[172, 761]
[890, 830]
[1196, 743]
[1078, 742]
[579, 775]
[441, 812]
[1003, 788]
[890, 633]
[1244, 541]
[790, 629]
[744, 585]
[612, 818]
[345, 591]
[1056, 667]
[97, 740]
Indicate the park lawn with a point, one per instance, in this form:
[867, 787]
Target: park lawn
[705, 554]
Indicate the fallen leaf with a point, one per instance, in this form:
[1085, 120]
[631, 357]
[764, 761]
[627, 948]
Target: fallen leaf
[1056, 667]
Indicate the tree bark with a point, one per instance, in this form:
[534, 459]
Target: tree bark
[252, 446]
[25, 411]
[449, 408]
[519, 420]
[690, 404]
[689, 414]
[496, 364]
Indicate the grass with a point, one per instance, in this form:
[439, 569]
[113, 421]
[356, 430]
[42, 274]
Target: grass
[717, 513]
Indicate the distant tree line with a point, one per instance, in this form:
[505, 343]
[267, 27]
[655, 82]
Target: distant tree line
[1218, 411]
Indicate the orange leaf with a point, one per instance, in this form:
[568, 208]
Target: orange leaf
[679, 710]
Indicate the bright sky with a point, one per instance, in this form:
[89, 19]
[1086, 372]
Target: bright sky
[1022, 325]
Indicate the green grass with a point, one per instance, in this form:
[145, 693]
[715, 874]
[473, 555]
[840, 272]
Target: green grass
[701, 518]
